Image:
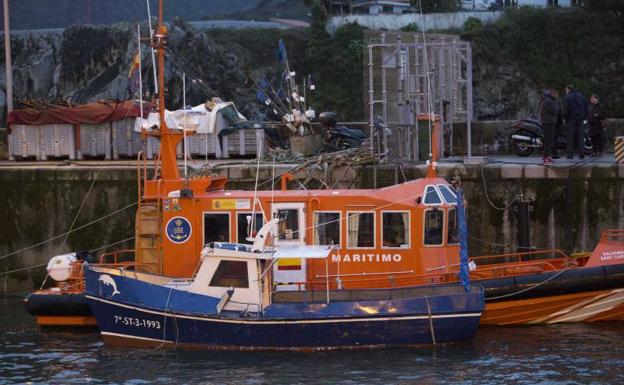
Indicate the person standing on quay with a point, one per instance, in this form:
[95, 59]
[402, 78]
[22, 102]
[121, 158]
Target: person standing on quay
[575, 105]
[596, 119]
[548, 113]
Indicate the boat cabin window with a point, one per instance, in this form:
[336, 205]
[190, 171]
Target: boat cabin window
[361, 230]
[216, 227]
[288, 227]
[231, 274]
[243, 226]
[451, 234]
[434, 223]
[395, 229]
[431, 196]
[448, 194]
[327, 228]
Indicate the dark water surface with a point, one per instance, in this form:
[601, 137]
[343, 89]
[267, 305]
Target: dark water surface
[558, 354]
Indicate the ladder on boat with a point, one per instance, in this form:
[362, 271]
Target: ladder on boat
[147, 230]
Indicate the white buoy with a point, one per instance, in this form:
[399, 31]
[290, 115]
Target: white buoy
[60, 266]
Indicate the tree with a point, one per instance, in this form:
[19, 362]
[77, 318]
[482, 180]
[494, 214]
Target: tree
[615, 7]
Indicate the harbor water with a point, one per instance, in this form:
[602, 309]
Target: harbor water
[553, 354]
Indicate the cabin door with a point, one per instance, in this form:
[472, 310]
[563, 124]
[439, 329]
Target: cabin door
[289, 274]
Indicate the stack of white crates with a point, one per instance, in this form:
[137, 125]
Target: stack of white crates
[126, 141]
[243, 143]
[205, 144]
[24, 142]
[95, 141]
[58, 141]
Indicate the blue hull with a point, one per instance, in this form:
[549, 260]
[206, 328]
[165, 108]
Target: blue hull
[147, 315]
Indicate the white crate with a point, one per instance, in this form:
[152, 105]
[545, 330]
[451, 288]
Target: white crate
[24, 141]
[95, 140]
[126, 141]
[57, 140]
[243, 143]
[202, 144]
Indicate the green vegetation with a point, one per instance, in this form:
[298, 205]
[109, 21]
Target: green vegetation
[472, 23]
[336, 64]
[558, 47]
[411, 27]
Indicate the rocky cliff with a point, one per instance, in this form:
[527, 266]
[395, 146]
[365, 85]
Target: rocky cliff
[514, 59]
[86, 63]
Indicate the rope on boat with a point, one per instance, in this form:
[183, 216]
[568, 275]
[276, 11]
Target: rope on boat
[84, 200]
[433, 339]
[22, 269]
[69, 232]
[487, 196]
[111, 244]
[532, 287]
[164, 340]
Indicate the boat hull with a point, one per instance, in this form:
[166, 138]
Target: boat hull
[603, 305]
[60, 309]
[131, 326]
[133, 312]
[576, 295]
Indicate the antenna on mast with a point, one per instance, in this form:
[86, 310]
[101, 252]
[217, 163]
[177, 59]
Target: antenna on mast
[184, 121]
[151, 33]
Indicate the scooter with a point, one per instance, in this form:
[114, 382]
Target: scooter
[527, 135]
[339, 137]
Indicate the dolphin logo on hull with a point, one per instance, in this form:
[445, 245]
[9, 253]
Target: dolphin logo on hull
[108, 281]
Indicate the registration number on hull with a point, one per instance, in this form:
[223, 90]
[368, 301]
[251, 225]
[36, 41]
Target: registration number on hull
[137, 322]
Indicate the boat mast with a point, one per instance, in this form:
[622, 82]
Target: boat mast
[168, 139]
[434, 146]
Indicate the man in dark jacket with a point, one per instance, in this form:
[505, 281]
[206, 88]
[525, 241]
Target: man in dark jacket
[548, 113]
[596, 118]
[575, 106]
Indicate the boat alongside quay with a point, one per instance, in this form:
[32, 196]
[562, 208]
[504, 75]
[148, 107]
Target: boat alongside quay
[229, 305]
[402, 237]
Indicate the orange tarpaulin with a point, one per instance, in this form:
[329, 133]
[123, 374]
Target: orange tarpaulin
[92, 113]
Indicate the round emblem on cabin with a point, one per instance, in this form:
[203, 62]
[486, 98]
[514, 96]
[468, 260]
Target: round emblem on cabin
[179, 230]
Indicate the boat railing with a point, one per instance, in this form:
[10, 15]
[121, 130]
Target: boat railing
[612, 235]
[117, 257]
[369, 280]
[519, 257]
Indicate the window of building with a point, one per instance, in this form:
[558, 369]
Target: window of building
[361, 230]
[431, 196]
[244, 224]
[231, 274]
[288, 227]
[216, 227]
[395, 229]
[452, 236]
[327, 228]
[434, 223]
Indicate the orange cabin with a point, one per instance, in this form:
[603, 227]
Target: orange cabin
[390, 236]
[400, 235]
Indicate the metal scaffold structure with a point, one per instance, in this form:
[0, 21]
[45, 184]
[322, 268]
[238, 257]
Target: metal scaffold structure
[405, 76]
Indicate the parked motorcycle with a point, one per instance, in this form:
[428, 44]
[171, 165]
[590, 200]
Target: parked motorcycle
[339, 137]
[527, 135]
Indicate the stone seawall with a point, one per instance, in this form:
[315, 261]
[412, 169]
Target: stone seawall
[572, 205]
